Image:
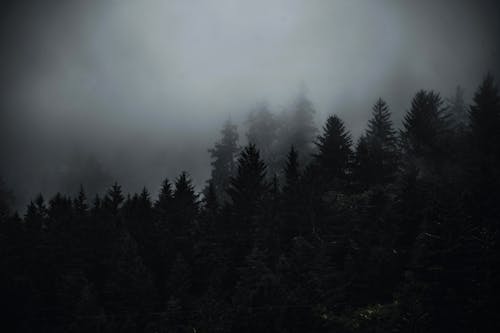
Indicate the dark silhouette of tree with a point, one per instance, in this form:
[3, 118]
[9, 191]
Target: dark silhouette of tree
[224, 159]
[423, 124]
[185, 199]
[292, 200]
[248, 186]
[113, 199]
[185, 210]
[36, 214]
[376, 151]
[387, 240]
[484, 117]
[364, 162]
[334, 148]
[163, 204]
[80, 202]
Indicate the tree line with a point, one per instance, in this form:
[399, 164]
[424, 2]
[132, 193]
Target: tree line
[398, 231]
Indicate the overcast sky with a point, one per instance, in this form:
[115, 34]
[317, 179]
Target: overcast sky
[145, 85]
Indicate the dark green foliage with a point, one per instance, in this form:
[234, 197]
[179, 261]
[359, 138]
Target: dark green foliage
[248, 186]
[376, 150]
[113, 199]
[334, 148]
[423, 125]
[164, 201]
[394, 242]
[485, 117]
[185, 199]
[80, 202]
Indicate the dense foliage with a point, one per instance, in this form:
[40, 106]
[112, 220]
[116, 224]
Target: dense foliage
[397, 234]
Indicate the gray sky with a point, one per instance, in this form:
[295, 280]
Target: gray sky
[145, 85]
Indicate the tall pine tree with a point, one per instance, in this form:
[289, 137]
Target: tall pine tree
[376, 153]
[248, 186]
[223, 156]
[424, 127]
[334, 149]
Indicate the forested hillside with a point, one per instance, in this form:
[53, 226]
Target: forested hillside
[301, 230]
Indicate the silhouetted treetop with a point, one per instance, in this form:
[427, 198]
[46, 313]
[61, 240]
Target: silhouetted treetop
[248, 186]
[334, 147]
[380, 130]
[485, 116]
[423, 123]
[223, 157]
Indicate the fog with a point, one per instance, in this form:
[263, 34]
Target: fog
[138, 90]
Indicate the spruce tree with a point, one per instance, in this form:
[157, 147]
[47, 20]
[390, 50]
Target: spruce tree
[80, 202]
[484, 116]
[223, 157]
[380, 129]
[184, 210]
[184, 197]
[334, 148]
[376, 153]
[113, 199]
[248, 186]
[423, 124]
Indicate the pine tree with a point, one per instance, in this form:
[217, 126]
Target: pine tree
[184, 197]
[423, 124]
[223, 157]
[484, 117]
[80, 203]
[60, 212]
[184, 210]
[36, 215]
[292, 220]
[376, 153]
[113, 199]
[165, 197]
[334, 148]
[6, 199]
[380, 129]
[248, 186]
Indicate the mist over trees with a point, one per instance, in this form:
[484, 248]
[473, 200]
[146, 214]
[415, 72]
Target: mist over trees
[297, 230]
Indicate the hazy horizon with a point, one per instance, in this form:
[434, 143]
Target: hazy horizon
[145, 86]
